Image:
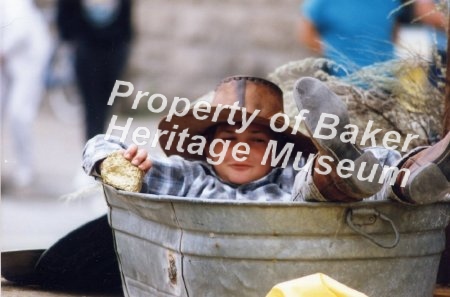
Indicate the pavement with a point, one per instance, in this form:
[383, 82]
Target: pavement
[59, 199]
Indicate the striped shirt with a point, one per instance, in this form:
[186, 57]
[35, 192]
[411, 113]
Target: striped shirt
[176, 176]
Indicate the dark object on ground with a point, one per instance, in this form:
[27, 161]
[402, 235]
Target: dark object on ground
[83, 260]
[18, 266]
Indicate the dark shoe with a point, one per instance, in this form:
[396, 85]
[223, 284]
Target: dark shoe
[18, 266]
[315, 96]
[429, 175]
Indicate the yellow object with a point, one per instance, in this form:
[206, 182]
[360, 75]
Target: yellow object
[315, 285]
[413, 93]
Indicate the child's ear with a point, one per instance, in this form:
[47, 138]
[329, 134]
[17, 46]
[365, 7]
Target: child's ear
[209, 136]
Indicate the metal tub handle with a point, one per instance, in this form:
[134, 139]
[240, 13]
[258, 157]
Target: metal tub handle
[371, 215]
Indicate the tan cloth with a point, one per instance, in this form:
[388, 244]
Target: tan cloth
[315, 285]
[396, 97]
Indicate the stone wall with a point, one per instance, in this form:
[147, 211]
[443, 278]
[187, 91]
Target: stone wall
[184, 48]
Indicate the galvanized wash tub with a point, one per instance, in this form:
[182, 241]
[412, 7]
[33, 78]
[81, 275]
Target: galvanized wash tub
[169, 246]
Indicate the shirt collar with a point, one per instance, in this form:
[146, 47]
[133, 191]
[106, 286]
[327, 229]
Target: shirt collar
[267, 179]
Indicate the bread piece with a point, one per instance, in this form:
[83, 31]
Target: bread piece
[118, 172]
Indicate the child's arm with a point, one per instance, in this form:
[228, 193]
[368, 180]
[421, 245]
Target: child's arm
[174, 176]
[96, 150]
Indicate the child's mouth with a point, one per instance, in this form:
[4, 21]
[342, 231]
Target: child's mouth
[240, 166]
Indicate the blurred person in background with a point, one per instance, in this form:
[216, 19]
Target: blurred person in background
[428, 20]
[100, 32]
[422, 37]
[428, 13]
[25, 50]
[351, 33]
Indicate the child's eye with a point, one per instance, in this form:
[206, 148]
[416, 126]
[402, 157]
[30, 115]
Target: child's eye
[230, 138]
[259, 140]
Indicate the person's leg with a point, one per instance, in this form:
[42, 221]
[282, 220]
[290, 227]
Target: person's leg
[21, 111]
[110, 68]
[84, 259]
[306, 187]
[313, 95]
[89, 65]
[429, 168]
[27, 71]
[97, 69]
[427, 174]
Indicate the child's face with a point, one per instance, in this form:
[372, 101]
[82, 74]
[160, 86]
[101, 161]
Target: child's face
[241, 172]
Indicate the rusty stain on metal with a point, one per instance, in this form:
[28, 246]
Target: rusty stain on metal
[172, 269]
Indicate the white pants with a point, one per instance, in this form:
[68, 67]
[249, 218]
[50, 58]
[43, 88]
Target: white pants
[25, 52]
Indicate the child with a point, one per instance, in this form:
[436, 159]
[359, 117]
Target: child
[248, 177]
[216, 173]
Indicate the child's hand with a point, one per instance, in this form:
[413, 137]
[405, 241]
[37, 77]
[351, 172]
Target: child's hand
[138, 157]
